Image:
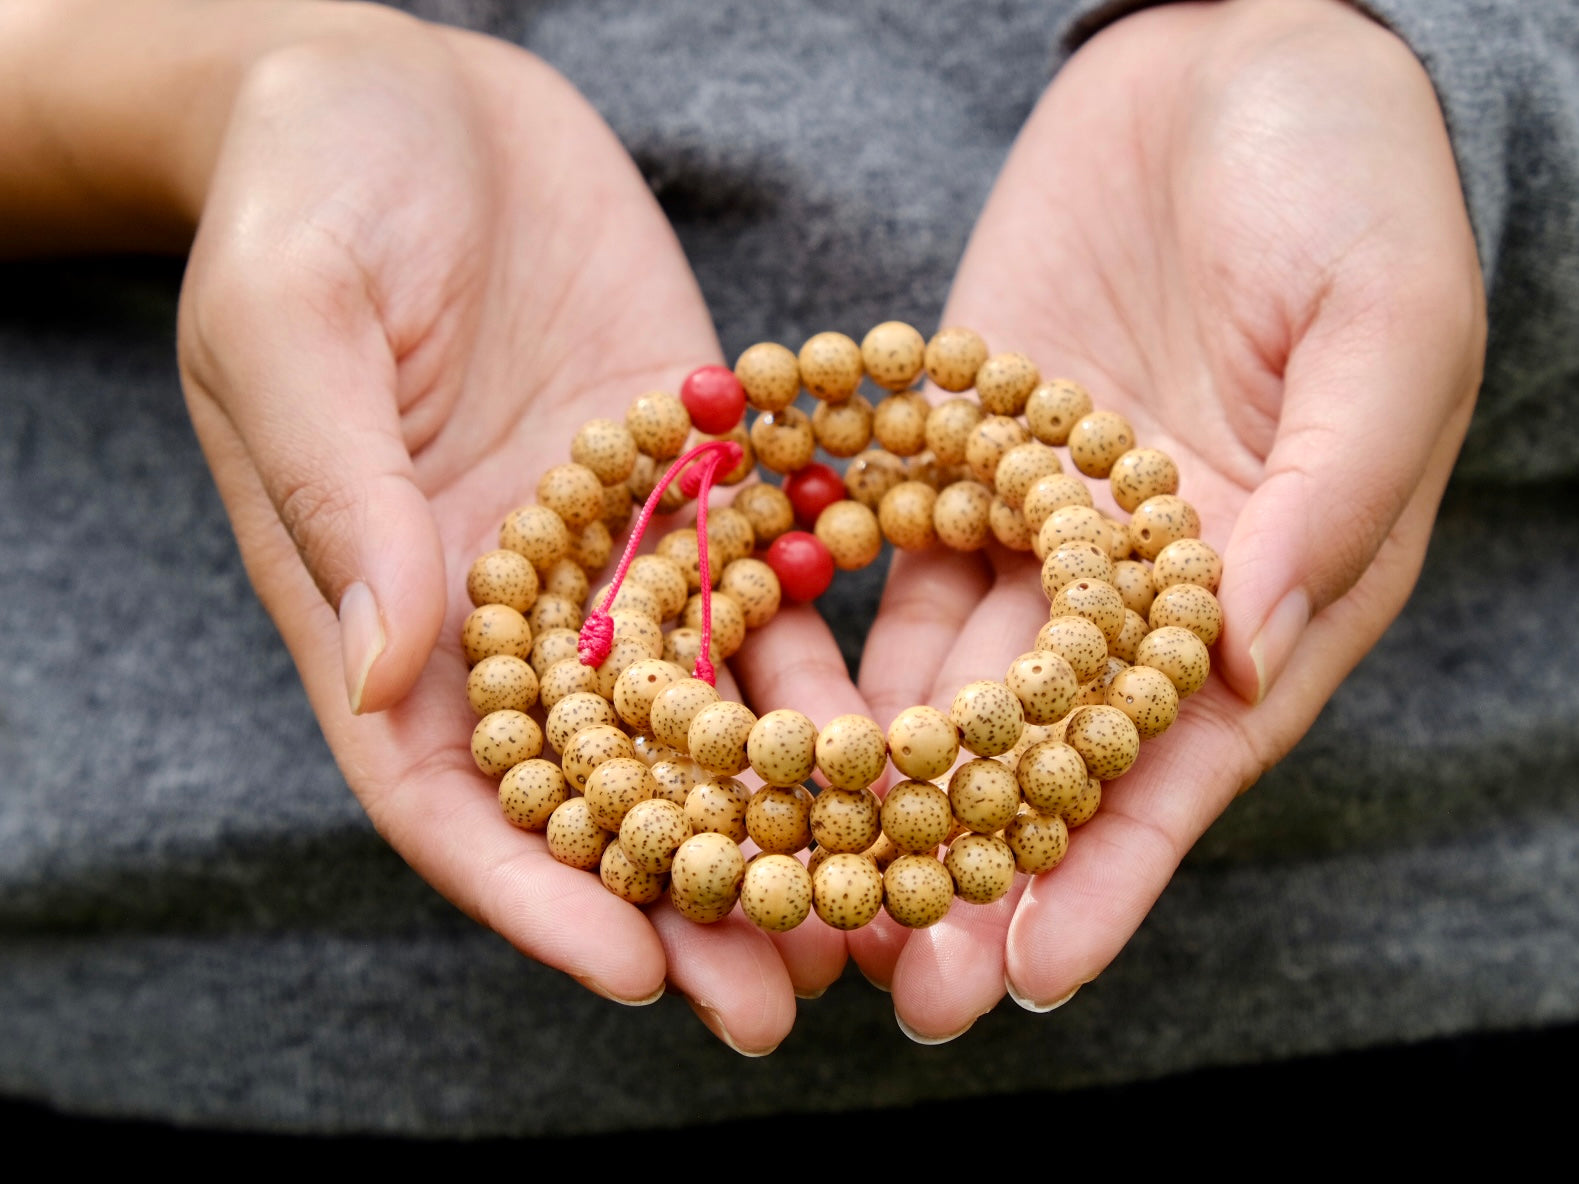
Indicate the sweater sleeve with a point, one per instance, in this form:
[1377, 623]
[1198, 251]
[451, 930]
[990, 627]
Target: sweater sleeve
[1506, 73]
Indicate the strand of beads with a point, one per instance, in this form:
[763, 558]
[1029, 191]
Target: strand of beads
[647, 788]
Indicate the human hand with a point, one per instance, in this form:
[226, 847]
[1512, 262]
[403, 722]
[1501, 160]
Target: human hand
[1241, 226]
[423, 262]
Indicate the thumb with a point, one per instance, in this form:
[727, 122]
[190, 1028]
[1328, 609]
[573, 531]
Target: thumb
[1373, 391]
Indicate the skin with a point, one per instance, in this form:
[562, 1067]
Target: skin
[396, 229]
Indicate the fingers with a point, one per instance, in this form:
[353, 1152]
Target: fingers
[733, 976]
[952, 974]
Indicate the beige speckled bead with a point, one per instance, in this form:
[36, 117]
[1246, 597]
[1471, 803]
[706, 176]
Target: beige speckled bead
[573, 492]
[949, 426]
[644, 477]
[1071, 524]
[917, 816]
[962, 516]
[1078, 559]
[590, 747]
[843, 429]
[675, 706]
[651, 832]
[678, 775]
[638, 626]
[1053, 492]
[782, 747]
[987, 443]
[1051, 776]
[850, 532]
[627, 881]
[718, 735]
[1127, 643]
[882, 853]
[847, 891]
[1133, 581]
[1039, 841]
[899, 423]
[537, 533]
[573, 838]
[1009, 526]
[1044, 683]
[778, 818]
[893, 354]
[650, 750]
[1086, 808]
[1106, 739]
[923, 742]
[1161, 520]
[1142, 473]
[1180, 654]
[718, 804]
[1054, 408]
[731, 533]
[495, 629]
[707, 870]
[1021, 467]
[830, 366]
[1190, 606]
[681, 546]
[1119, 548]
[614, 786]
[664, 579]
[606, 448]
[502, 682]
[917, 891]
[1147, 696]
[989, 717]
[1005, 382]
[1096, 600]
[983, 795]
[770, 375]
[565, 577]
[982, 867]
[505, 738]
[953, 357]
[659, 423]
[1187, 561]
[551, 647]
[768, 510]
[1077, 641]
[625, 651]
[1030, 736]
[683, 646]
[784, 440]
[1098, 440]
[754, 587]
[1094, 693]
[776, 893]
[574, 712]
[593, 547]
[638, 685]
[729, 622]
[502, 577]
[871, 474]
[745, 466]
[852, 751]
[617, 507]
[905, 516]
[929, 470]
[845, 819]
[530, 792]
[553, 612]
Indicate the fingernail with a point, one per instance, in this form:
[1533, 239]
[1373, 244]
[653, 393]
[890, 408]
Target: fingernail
[1031, 1004]
[361, 639]
[1279, 634]
[810, 995]
[624, 1001]
[885, 988]
[715, 1025]
[930, 1040]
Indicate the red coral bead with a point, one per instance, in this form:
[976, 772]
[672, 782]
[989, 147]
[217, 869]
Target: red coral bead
[802, 563]
[812, 490]
[715, 399]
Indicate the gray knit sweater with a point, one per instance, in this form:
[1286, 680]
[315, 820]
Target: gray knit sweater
[197, 921]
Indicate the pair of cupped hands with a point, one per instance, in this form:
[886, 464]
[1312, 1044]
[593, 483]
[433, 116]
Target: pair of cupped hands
[423, 262]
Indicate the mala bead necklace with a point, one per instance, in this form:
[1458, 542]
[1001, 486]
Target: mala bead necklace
[618, 682]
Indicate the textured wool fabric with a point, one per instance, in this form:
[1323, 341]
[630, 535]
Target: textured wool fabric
[198, 923]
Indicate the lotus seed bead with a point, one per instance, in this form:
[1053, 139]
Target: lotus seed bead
[987, 443]
[770, 375]
[664, 579]
[683, 646]
[753, 586]
[1094, 693]
[633, 599]
[917, 891]
[1030, 736]
[625, 652]
[1053, 492]
[674, 708]
[614, 786]
[923, 743]
[551, 646]
[1009, 526]
[948, 429]
[573, 838]
[1191, 606]
[870, 476]
[905, 516]
[982, 867]
[501, 682]
[768, 511]
[659, 423]
[1045, 684]
[1005, 382]
[1039, 841]
[649, 749]
[638, 627]
[847, 891]
[592, 548]
[553, 612]
[505, 738]
[899, 423]
[851, 533]
[719, 805]
[677, 776]
[830, 366]
[953, 357]
[882, 853]
[782, 747]
[1095, 600]
[775, 894]
[1054, 408]
[707, 871]
[1051, 776]
[606, 448]
[778, 819]
[718, 735]
[625, 880]
[590, 747]
[983, 795]
[1086, 808]
[1098, 440]
[537, 533]
[1142, 473]
[845, 819]
[1021, 467]
[1148, 697]
[852, 752]
[502, 577]
[1127, 644]
[1160, 520]
[1133, 581]
[926, 468]
[1077, 641]
[636, 687]
[1178, 653]
[744, 467]
[729, 622]
[784, 440]
[573, 492]
[682, 547]
[651, 831]
[495, 629]
[1076, 560]
[730, 531]
[565, 577]
[1106, 739]
[1071, 524]
[644, 478]
[843, 429]
[962, 516]
[1119, 548]
[530, 792]
[893, 354]
[572, 702]
[988, 716]
[1187, 561]
[617, 506]
[917, 816]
